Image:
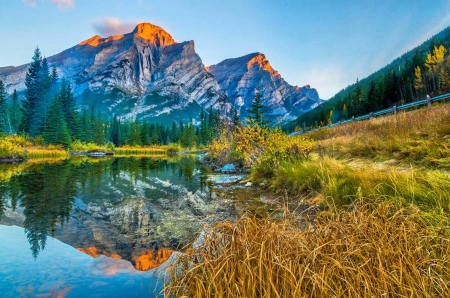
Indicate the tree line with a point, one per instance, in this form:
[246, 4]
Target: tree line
[48, 110]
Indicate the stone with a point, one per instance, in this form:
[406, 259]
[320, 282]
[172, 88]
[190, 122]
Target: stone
[228, 168]
[201, 156]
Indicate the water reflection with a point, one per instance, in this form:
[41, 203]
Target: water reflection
[45, 195]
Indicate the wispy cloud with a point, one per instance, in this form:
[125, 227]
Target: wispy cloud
[113, 26]
[61, 4]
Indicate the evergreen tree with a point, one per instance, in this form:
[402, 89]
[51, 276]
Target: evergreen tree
[145, 138]
[84, 134]
[15, 112]
[115, 132]
[134, 136]
[256, 111]
[56, 130]
[91, 126]
[30, 116]
[3, 114]
[43, 103]
[99, 131]
[69, 109]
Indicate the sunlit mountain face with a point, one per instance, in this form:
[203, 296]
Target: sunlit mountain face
[146, 74]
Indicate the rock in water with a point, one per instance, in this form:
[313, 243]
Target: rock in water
[228, 168]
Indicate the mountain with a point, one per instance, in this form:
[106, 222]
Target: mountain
[148, 75]
[240, 77]
[144, 73]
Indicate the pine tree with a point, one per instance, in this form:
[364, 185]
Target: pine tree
[99, 131]
[91, 126]
[56, 130]
[69, 109]
[256, 112]
[3, 115]
[43, 104]
[145, 138]
[29, 122]
[15, 112]
[84, 134]
[115, 132]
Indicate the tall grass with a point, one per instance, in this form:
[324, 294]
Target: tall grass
[364, 251]
[326, 179]
[20, 147]
[420, 137]
[46, 152]
[170, 149]
[140, 151]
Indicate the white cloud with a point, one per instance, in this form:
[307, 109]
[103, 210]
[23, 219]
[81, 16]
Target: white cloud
[113, 26]
[63, 4]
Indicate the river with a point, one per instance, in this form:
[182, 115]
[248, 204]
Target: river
[86, 227]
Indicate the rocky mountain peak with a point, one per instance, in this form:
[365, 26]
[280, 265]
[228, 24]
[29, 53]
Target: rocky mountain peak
[260, 61]
[154, 34]
[98, 40]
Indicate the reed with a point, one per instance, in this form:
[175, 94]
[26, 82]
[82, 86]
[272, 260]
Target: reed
[46, 152]
[368, 250]
[142, 151]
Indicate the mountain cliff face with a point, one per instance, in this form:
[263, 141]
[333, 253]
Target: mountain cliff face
[144, 73]
[240, 77]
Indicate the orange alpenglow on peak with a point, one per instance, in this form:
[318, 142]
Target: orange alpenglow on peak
[97, 40]
[261, 61]
[154, 34]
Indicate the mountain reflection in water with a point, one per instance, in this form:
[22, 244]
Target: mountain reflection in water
[137, 209]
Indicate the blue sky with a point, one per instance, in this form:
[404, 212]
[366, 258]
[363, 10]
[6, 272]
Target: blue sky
[327, 44]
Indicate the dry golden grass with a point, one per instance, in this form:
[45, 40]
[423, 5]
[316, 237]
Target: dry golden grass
[46, 152]
[420, 137]
[365, 251]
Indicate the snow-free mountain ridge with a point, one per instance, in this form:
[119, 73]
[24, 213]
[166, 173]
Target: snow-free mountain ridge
[148, 75]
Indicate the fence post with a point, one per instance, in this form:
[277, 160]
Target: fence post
[371, 115]
[428, 101]
[395, 109]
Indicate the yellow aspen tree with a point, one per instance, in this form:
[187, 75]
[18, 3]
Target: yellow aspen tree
[418, 82]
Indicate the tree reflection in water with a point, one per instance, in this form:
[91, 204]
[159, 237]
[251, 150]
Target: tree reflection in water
[46, 192]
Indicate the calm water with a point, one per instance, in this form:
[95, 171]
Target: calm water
[102, 227]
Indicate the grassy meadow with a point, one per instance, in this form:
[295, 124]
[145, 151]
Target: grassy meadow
[381, 191]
